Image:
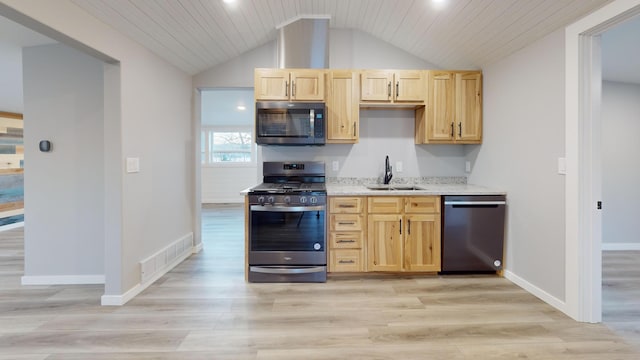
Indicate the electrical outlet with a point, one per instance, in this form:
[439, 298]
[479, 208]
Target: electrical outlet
[399, 166]
[335, 165]
[467, 166]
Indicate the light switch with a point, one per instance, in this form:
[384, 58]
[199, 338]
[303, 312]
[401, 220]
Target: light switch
[399, 166]
[335, 165]
[562, 166]
[133, 165]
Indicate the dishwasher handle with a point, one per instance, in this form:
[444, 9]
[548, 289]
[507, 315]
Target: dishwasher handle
[474, 203]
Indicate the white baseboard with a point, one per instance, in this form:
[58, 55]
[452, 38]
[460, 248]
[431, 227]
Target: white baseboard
[620, 246]
[12, 226]
[63, 280]
[154, 267]
[197, 248]
[119, 300]
[536, 291]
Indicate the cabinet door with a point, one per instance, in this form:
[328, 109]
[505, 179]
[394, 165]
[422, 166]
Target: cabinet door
[422, 243]
[384, 242]
[271, 84]
[469, 107]
[307, 85]
[343, 110]
[441, 106]
[376, 86]
[410, 86]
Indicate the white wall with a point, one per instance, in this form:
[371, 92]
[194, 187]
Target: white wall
[523, 138]
[382, 132]
[354, 49]
[149, 117]
[64, 188]
[620, 157]
[10, 78]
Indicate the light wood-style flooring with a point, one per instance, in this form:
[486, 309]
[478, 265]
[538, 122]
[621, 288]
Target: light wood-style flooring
[203, 309]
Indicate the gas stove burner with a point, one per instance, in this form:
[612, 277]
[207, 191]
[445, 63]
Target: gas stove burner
[303, 178]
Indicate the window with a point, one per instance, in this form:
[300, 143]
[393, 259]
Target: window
[224, 145]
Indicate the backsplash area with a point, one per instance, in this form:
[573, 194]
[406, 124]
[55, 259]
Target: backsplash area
[406, 180]
[382, 132]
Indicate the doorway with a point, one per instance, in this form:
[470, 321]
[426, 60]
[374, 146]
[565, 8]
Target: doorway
[228, 151]
[583, 151]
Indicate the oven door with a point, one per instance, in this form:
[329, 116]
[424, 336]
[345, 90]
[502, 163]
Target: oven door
[287, 235]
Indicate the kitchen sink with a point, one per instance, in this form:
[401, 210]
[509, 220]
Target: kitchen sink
[393, 187]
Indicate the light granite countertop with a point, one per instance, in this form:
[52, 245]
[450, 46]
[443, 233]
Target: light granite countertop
[428, 189]
[428, 185]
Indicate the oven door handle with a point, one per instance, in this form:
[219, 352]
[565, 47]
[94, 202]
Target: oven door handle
[287, 269]
[287, 208]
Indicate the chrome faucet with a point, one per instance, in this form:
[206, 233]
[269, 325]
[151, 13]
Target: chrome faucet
[387, 171]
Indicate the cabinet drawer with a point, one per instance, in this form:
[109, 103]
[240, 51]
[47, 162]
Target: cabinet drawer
[346, 222]
[385, 205]
[346, 240]
[346, 205]
[346, 261]
[422, 205]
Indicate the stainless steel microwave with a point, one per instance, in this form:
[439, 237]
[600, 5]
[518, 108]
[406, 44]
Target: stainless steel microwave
[290, 123]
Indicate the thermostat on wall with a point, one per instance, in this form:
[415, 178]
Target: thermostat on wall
[45, 145]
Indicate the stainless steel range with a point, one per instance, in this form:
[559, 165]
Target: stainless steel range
[287, 224]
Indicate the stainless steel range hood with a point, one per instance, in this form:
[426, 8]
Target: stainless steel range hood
[304, 43]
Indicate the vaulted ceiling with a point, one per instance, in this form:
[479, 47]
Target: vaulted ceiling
[196, 35]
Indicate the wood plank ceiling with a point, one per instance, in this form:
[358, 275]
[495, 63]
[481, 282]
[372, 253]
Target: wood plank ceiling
[196, 35]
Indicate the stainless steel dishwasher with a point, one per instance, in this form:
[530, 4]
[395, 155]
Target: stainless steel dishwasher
[473, 233]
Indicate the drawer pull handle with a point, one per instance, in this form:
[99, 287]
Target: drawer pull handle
[346, 223]
[346, 241]
[346, 205]
[346, 262]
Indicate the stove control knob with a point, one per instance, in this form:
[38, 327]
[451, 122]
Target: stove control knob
[270, 200]
[313, 200]
[317, 246]
[261, 200]
[303, 200]
[287, 199]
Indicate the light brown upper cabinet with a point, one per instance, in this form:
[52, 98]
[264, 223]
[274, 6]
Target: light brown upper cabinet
[289, 84]
[392, 87]
[343, 110]
[453, 114]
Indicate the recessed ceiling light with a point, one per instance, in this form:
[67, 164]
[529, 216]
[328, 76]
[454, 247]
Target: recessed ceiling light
[241, 107]
[439, 4]
[229, 1]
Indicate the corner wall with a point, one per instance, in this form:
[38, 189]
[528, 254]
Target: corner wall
[64, 188]
[523, 139]
[149, 118]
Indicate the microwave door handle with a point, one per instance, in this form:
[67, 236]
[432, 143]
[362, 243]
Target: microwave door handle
[312, 115]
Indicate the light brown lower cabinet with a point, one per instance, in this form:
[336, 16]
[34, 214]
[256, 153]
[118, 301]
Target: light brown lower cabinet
[347, 226]
[405, 240]
[384, 233]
